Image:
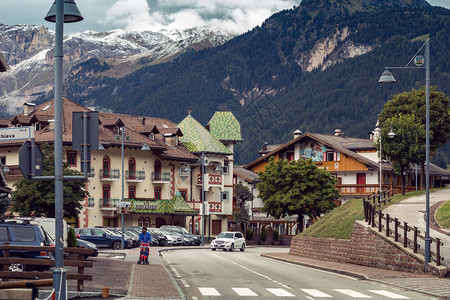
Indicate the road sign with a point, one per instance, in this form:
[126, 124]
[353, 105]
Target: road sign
[92, 130]
[419, 60]
[25, 166]
[15, 133]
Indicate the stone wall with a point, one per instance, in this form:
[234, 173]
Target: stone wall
[367, 247]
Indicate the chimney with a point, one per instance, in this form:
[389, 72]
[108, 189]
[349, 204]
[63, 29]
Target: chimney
[297, 133]
[264, 148]
[142, 120]
[51, 124]
[28, 108]
[338, 132]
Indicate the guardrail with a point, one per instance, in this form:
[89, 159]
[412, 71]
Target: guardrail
[76, 258]
[376, 218]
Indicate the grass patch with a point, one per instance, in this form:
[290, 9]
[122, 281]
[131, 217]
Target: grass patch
[338, 224]
[443, 215]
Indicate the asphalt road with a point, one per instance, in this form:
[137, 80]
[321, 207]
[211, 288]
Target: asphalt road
[204, 274]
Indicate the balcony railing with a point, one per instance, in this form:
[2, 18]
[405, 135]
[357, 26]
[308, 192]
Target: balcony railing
[135, 175]
[91, 173]
[109, 203]
[91, 202]
[212, 179]
[161, 177]
[109, 174]
[368, 189]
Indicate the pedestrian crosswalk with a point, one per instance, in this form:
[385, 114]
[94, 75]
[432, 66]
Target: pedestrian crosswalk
[314, 293]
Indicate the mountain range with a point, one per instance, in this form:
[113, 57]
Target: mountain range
[314, 67]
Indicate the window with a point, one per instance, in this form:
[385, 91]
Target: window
[105, 194]
[3, 160]
[290, 156]
[72, 158]
[157, 166]
[24, 234]
[157, 193]
[224, 197]
[183, 167]
[4, 234]
[132, 168]
[141, 222]
[131, 192]
[106, 167]
[330, 156]
[37, 126]
[151, 136]
[147, 222]
[239, 235]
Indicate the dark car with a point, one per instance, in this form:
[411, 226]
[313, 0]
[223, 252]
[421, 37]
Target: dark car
[192, 239]
[88, 245]
[22, 233]
[160, 239]
[101, 237]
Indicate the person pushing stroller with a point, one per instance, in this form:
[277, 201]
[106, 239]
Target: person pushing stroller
[145, 239]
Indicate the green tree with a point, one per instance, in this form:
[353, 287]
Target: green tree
[37, 197]
[72, 238]
[243, 196]
[296, 188]
[413, 103]
[5, 202]
[406, 147]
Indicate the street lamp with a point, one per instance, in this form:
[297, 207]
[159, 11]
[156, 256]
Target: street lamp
[391, 135]
[62, 11]
[387, 77]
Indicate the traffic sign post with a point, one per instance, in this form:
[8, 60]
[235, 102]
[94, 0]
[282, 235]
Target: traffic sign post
[29, 165]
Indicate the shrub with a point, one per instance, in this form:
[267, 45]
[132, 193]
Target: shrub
[275, 235]
[249, 234]
[263, 234]
[72, 238]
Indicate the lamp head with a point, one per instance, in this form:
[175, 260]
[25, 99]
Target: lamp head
[391, 134]
[100, 146]
[71, 12]
[145, 147]
[218, 168]
[188, 168]
[386, 77]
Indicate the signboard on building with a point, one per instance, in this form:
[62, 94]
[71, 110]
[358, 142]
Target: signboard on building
[15, 133]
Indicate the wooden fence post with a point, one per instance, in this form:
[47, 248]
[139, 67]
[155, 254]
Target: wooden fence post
[396, 229]
[387, 225]
[415, 240]
[438, 251]
[405, 233]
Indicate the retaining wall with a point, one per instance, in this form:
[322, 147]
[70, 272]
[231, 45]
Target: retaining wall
[367, 247]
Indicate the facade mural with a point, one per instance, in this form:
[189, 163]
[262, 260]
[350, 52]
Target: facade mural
[313, 150]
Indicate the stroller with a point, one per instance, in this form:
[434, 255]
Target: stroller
[143, 255]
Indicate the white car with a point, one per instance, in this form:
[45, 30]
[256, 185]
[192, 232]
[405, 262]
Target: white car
[228, 241]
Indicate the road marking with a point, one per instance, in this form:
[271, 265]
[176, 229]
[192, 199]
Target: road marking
[280, 293]
[388, 294]
[352, 293]
[184, 282]
[208, 291]
[244, 292]
[177, 275]
[316, 293]
[254, 272]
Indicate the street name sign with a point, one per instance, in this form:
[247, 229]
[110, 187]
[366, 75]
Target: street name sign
[15, 133]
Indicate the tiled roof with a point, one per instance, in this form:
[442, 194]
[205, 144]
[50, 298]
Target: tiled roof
[225, 127]
[197, 139]
[4, 122]
[246, 174]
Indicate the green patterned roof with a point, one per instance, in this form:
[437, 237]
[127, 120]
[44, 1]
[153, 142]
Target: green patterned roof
[175, 206]
[225, 127]
[197, 139]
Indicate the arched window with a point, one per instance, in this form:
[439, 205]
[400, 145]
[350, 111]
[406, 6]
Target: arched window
[157, 170]
[147, 222]
[141, 222]
[132, 168]
[106, 167]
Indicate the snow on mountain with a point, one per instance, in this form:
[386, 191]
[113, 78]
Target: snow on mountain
[29, 52]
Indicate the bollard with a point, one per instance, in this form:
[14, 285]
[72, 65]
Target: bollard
[105, 292]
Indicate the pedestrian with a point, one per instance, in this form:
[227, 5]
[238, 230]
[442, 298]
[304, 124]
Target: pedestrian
[145, 236]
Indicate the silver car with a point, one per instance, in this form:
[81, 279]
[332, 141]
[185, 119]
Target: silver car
[228, 240]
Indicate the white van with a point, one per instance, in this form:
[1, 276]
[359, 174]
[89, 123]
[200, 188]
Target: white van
[49, 226]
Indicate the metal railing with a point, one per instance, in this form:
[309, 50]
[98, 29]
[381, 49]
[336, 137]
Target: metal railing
[91, 202]
[112, 174]
[165, 177]
[399, 231]
[108, 203]
[135, 175]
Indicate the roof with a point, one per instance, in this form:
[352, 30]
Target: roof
[175, 206]
[197, 139]
[246, 174]
[4, 123]
[225, 127]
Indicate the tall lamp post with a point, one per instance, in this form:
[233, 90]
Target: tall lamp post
[391, 135]
[387, 77]
[62, 11]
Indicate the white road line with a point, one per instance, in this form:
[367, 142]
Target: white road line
[244, 292]
[352, 293]
[388, 294]
[316, 293]
[280, 293]
[184, 282]
[177, 275]
[208, 291]
[254, 272]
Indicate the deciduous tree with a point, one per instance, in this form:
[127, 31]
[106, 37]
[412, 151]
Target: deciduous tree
[296, 188]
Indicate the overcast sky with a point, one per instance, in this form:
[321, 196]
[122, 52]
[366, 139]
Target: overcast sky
[237, 16]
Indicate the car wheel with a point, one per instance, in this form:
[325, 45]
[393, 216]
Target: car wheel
[17, 267]
[116, 245]
[232, 248]
[213, 249]
[242, 248]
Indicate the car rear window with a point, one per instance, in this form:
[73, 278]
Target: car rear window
[24, 234]
[4, 234]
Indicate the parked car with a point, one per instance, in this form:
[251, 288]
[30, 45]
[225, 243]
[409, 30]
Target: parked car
[157, 236]
[133, 241]
[101, 237]
[172, 239]
[181, 230]
[228, 240]
[88, 245]
[22, 233]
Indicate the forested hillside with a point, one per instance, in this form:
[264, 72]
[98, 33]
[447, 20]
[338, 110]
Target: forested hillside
[263, 76]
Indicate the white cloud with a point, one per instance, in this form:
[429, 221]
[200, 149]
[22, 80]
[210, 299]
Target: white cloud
[233, 15]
